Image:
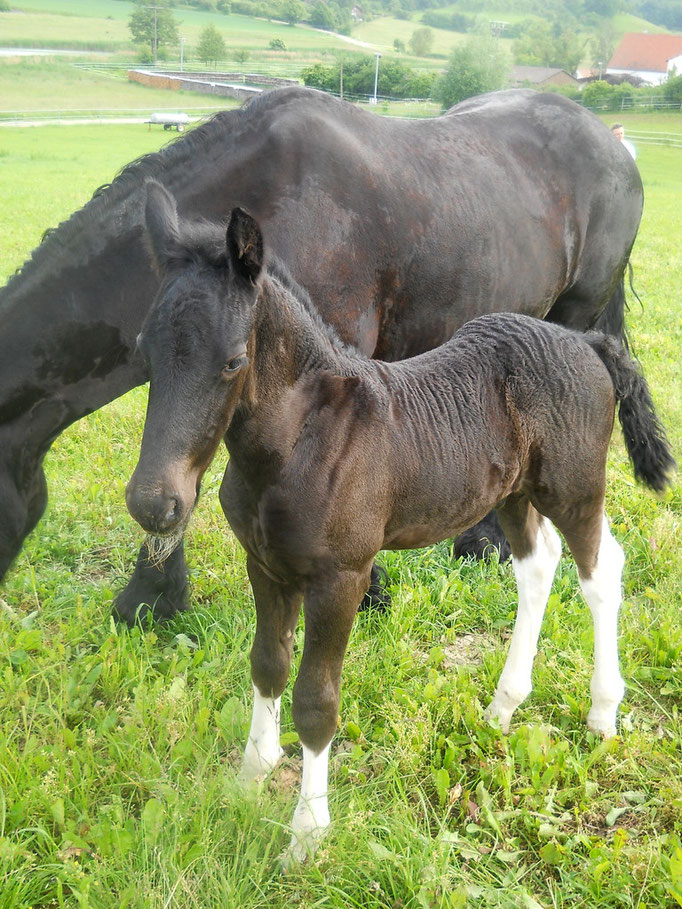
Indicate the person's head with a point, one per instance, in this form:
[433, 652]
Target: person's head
[618, 131]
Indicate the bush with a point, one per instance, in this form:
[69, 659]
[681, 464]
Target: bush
[277, 44]
[455, 22]
[598, 95]
[672, 90]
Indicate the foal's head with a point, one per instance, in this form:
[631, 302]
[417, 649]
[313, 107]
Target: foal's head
[194, 342]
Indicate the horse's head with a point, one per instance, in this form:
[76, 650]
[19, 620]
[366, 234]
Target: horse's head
[194, 342]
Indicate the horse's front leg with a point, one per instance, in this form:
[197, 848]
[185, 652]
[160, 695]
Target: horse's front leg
[329, 607]
[161, 587]
[277, 610]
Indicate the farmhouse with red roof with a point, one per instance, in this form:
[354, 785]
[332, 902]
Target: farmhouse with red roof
[651, 57]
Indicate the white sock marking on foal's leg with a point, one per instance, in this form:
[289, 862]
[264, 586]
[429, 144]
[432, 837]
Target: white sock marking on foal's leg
[311, 818]
[603, 594]
[262, 748]
[534, 575]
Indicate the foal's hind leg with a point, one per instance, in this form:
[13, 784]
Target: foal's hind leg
[600, 565]
[277, 610]
[536, 549]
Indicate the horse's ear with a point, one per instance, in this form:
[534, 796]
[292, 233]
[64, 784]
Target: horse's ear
[245, 245]
[161, 219]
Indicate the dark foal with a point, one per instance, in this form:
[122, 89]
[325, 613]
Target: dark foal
[334, 457]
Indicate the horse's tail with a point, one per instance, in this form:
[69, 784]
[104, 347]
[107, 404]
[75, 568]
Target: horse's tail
[611, 320]
[645, 438]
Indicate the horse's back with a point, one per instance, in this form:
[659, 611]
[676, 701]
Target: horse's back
[504, 203]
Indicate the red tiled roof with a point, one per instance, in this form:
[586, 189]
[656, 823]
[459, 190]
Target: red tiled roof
[646, 53]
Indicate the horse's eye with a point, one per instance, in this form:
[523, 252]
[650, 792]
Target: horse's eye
[233, 366]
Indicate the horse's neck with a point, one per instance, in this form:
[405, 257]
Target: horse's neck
[69, 319]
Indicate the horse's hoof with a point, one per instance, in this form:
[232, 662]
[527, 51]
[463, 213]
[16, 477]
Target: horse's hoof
[140, 597]
[480, 540]
[377, 598]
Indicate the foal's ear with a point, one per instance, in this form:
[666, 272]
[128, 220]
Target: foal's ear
[245, 245]
[161, 219]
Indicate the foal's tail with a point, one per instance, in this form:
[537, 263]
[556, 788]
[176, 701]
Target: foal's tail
[645, 438]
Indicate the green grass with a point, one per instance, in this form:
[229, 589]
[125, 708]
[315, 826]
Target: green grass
[47, 85]
[118, 749]
[106, 22]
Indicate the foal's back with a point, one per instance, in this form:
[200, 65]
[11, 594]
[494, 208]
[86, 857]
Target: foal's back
[508, 405]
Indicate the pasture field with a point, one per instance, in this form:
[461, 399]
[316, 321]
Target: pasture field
[27, 88]
[105, 27]
[119, 749]
[104, 24]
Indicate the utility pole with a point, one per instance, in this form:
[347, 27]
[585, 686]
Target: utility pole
[376, 78]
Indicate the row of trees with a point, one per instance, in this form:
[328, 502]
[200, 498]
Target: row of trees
[154, 27]
[153, 22]
[356, 77]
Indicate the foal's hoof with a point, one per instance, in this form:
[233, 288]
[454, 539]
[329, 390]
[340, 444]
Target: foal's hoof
[494, 715]
[377, 598]
[257, 766]
[479, 541]
[602, 725]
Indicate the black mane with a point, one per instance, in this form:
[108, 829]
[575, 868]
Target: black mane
[128, 181]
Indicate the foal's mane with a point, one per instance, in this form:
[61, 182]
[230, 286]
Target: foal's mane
[278, 272]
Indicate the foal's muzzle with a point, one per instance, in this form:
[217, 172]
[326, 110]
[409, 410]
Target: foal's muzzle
[159, 509]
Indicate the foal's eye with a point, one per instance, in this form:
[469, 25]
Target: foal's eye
[233, 366]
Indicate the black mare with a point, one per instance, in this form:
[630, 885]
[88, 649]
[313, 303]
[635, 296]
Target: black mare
[400, 231]
[334, 457]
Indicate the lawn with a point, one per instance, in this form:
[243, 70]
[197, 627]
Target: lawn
[119, 749]
[46, 85]
[104, 25]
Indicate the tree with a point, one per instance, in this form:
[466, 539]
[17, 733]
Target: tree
[542, 44]
[293, 11]
[321, 16]
[153, 24]
[211, 46]
[480, 65]
[421, 42]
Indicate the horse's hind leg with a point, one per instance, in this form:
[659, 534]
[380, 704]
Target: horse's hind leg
[600, 565]
[277, 609]
[536, 549]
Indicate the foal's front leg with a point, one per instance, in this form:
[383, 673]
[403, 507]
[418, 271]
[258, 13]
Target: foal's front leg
[277, 609]
[329, 610]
